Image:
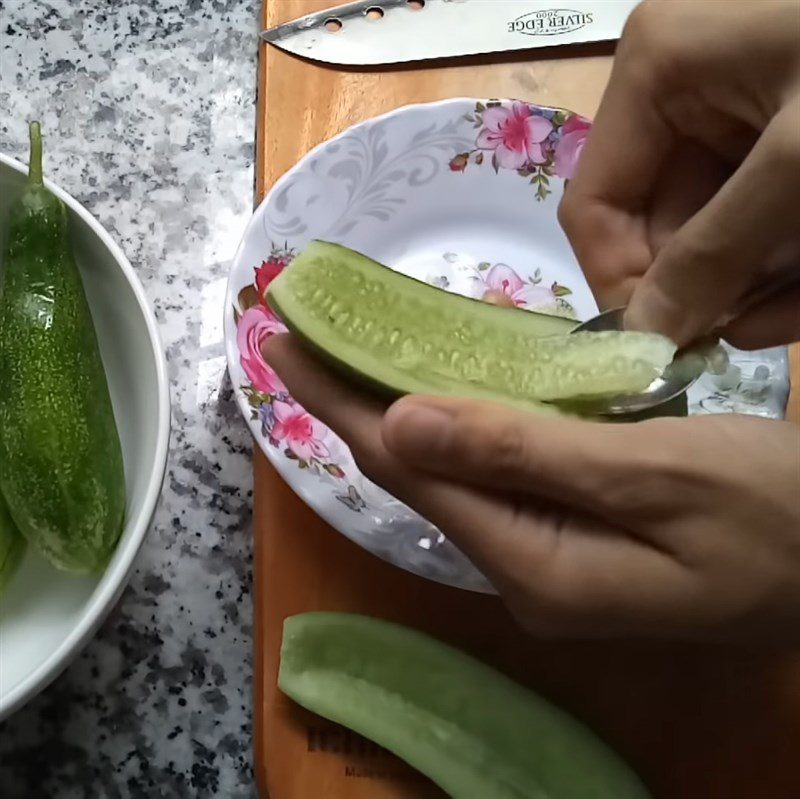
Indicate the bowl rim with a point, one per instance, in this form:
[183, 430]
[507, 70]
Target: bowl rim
[116, 577]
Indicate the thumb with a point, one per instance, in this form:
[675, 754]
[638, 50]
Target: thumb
[700, 276]
[599, 468]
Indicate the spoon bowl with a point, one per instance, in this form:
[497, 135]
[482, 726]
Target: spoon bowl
[677, 378]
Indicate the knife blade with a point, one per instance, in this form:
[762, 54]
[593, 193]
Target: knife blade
[374, 32]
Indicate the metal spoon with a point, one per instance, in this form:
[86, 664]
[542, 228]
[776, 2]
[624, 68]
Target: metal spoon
[684, 370]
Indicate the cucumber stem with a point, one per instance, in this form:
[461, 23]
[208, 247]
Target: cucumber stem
[35, 177]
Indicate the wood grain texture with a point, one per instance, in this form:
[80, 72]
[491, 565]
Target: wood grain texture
[697, 723]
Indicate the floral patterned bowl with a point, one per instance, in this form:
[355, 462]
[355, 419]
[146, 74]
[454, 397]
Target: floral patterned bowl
[462, 194]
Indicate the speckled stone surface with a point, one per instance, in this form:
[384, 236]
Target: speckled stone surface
[148, 106]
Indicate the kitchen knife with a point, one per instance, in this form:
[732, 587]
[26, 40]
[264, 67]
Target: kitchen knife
[371, 32]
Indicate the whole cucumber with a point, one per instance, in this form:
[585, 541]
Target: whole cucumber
[61, 468]
[12, 545]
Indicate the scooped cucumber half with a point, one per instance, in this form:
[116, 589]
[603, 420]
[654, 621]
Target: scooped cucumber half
[470, 729]
[402, 336]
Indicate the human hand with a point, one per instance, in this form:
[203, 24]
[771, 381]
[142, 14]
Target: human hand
[671, 527]
[685, 202]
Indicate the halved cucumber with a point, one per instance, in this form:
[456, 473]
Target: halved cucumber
[469, 728]
[402, 336]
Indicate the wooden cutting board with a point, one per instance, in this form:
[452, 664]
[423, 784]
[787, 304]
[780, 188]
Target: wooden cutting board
[695, 722]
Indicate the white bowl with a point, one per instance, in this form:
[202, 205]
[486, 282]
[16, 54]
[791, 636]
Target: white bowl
[47, 616]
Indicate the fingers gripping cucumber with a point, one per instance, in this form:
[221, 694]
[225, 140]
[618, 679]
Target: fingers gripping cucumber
[402, 336]
[61, 469]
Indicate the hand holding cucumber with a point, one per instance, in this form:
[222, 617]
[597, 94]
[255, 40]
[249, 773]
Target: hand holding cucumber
[670, 527]
[685, 203]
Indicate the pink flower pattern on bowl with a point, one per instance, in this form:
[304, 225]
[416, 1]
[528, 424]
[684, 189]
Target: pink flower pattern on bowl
[302, 433]
[535, 141]
[516, 135]
[505, 286]
[501, 284]
[574, 133]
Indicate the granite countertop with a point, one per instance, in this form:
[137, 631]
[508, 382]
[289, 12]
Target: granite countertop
[148, 108]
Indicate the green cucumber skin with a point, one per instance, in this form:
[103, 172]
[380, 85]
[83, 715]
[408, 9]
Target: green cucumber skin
[473, 731]
[399, 336]
[61, 466]
[12, 546]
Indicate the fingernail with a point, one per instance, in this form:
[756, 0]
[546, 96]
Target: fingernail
[413, 429]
